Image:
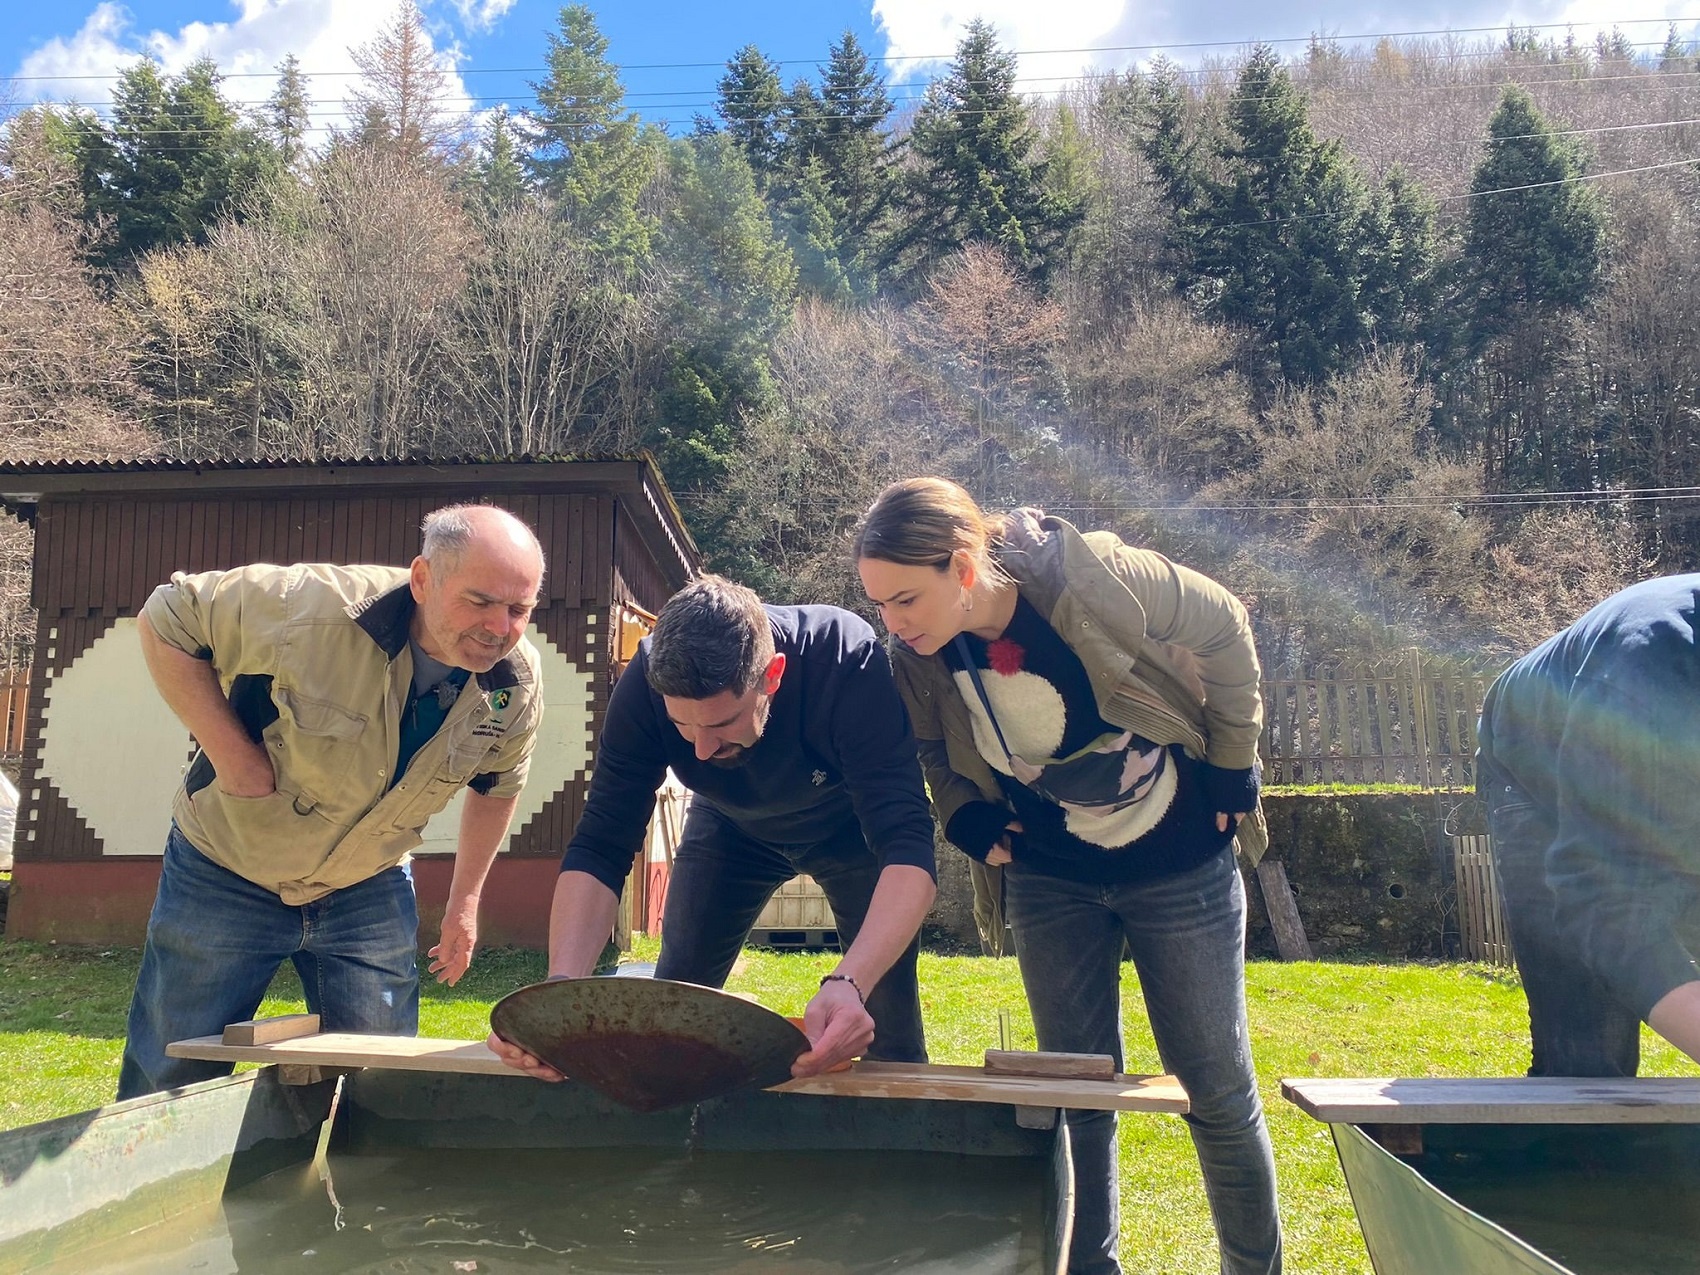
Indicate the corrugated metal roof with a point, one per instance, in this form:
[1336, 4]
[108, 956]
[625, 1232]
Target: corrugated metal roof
[171, 464]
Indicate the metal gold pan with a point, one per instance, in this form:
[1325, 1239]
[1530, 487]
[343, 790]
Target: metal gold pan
[649, 1043]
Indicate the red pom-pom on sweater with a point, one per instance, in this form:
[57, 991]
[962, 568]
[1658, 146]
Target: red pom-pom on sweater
[1005, 656]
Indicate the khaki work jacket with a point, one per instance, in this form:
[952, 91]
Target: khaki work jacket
[1169, 653]
[316, 662]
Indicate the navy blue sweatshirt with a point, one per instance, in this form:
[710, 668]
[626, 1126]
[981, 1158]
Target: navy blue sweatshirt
[837, 747]
[1600, 726]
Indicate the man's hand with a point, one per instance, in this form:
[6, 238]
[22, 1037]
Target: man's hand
[519, 1060]
[1002, 852]
[1222, 824]
[245, 771]
[838, 1028]
[453, 952]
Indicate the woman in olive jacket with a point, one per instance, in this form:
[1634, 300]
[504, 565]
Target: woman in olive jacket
[1087, 714]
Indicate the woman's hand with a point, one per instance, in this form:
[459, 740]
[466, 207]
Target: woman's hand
[1222, 820]
[1000, 854]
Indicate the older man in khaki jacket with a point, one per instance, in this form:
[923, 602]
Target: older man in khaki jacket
[336, 709]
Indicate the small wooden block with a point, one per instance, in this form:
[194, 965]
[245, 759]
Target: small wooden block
[263, 1031]
[1015, 1062]
[1036, 1117]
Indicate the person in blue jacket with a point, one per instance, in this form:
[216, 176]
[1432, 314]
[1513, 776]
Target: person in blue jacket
[785, 724]
[1590, 767]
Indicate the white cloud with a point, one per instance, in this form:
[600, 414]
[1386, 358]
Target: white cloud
[247, 49]
[482, 15]
[923, 29]
[1119, 33]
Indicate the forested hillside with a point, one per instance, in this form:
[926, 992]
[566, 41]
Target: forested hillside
[1400, 341]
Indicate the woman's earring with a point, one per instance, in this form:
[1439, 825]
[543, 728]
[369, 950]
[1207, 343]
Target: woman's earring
[967, 600]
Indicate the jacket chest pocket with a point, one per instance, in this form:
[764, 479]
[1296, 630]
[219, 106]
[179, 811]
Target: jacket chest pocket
[314, 747]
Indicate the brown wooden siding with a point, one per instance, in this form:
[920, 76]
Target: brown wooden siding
[98, 559]
[636, 576]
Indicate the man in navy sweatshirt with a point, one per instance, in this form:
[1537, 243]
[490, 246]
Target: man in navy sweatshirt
[786, 726]
[1590, 766]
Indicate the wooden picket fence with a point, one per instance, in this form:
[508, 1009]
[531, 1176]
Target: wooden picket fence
[1482, 931]
[1409, 723]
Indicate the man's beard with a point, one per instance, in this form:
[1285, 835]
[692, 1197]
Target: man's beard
[742, 753]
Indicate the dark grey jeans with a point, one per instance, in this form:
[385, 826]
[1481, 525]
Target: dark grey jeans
[721, 880]
[1187, 936]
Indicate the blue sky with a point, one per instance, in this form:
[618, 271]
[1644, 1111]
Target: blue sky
[673, 51]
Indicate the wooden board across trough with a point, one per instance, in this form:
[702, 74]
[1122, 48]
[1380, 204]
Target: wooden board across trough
[862, 1080]
[1506, 1100]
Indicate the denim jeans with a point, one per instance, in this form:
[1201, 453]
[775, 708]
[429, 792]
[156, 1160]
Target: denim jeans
[1577, 1027]
[722, 879]
[215, 939]
[1187, 936]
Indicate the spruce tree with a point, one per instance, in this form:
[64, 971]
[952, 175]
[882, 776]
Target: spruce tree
[498, 171]
[749, 100]
[588, 153]
[854, 150]
[286, 114]
[977, 177]
[1535, 241]
[175, 157]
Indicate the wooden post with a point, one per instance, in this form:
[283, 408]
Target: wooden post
[1290, 939]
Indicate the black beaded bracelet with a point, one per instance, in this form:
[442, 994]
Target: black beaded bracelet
[845, 978]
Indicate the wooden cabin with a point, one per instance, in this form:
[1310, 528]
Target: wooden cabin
[103, 754]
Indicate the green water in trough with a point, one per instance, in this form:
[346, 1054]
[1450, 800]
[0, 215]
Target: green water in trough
[1622, 1223]
[607, 1212]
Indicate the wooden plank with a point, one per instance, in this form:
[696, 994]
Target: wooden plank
[1026, 1062]
[1283, 909]
[224, 537]
[973, 1084]
[1506, 1100]
[263, 1031]
[1385, 692]
[862, 1080]
[123, 597]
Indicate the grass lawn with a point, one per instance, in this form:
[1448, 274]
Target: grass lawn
[62, 1023]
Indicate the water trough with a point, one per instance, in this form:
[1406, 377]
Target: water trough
[1519, 1176]
[445, 1162]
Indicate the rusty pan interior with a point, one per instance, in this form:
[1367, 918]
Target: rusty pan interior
[649, 1043]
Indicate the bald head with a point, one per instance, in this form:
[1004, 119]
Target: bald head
[447, 534]
[475, 581]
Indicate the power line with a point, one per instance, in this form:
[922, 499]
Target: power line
[1650, 80]
[1314, 38]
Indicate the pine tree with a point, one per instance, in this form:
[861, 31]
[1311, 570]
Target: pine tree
[1677, 55]
[1533, 255]
[1283, 236]
[175, 157]
[750, 101]
[399, 97]
[498, 171]
[976, 177]
[854, 150]
[1534, 244]
[588, 153]
[287, 112]
[735, 285]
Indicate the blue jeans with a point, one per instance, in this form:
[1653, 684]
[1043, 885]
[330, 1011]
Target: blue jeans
[721, 880]
[1577, 1027]
[215, 939]
[1187, 935]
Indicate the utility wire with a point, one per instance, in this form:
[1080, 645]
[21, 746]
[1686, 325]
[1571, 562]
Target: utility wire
[1314, 38]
